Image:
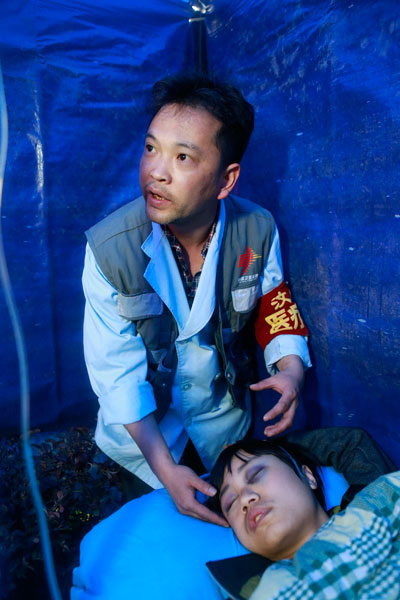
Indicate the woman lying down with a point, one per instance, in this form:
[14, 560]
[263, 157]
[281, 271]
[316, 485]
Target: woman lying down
[274, 502]
[287, 544]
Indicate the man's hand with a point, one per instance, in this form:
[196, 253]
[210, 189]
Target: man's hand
[182, 483]
[288, 383]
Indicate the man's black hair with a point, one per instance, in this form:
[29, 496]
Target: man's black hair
[291, 455]
[222, 101]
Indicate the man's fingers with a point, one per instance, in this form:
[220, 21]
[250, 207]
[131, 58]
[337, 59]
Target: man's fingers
[283, 424]
[205, 514]
[188, 505]
[185, 476]
[203, 486]
[287, 383]
[199, 484]
[264, 384]
[280, 407]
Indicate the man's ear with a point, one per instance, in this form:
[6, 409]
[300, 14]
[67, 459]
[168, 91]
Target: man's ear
[229, 179]
[308, 474]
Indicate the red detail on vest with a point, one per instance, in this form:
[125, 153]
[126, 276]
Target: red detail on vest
[247, 259]
[278, 315]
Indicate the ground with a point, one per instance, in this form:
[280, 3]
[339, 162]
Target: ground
[79, 486]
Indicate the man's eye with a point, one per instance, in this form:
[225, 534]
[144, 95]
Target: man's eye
[182, 157]
[149, 147]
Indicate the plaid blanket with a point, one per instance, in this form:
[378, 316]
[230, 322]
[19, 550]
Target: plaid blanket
[355, 555]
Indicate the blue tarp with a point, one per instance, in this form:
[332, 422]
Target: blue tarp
[324, 79]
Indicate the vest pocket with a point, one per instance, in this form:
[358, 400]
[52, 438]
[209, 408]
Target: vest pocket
[245, 299]
[140, 306]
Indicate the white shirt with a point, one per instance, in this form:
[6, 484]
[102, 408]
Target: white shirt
[115, 356]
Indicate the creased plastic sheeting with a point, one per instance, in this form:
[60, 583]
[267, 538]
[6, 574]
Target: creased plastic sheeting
[323, 77]
[324, 158]
[77, 80]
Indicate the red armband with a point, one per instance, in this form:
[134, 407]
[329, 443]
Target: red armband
[278, 315]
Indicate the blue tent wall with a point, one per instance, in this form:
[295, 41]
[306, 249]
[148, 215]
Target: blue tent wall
[324, 159]
[323, 77]
[77, 79]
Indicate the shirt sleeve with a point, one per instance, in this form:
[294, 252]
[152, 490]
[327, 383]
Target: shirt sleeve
[115, 354]
[281, 345]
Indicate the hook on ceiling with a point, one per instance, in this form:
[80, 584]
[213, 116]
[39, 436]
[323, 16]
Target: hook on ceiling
[202, 7]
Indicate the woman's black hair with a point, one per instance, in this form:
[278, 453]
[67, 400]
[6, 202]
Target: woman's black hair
[290, 454]
[221, 100]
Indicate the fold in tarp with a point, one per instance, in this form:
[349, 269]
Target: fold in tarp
[323, 78]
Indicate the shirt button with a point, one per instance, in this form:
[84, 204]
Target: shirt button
[218, 377]
[186, 386]
[229, 376]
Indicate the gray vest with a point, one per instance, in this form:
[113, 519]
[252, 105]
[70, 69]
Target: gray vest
[249, 229]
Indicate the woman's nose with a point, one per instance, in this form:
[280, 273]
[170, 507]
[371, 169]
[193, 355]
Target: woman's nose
[247, 497]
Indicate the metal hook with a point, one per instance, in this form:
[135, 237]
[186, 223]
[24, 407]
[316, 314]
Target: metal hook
[201, 6]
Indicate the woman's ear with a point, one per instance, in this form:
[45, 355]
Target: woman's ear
[308, 474]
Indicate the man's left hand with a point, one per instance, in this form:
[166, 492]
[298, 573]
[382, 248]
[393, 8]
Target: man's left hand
[288, 383]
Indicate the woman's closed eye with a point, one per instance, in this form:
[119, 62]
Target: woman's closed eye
[229, 505]
[253, 474]
[250, 477]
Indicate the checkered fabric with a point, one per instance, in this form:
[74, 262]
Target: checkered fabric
[190, 283]
[354, 556]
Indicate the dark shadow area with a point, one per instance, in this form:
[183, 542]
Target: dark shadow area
[80, 486]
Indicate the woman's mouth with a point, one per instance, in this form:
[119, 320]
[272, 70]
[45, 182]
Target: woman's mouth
[256, 516]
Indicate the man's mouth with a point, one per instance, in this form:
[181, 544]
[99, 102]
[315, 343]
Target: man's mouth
[155, 198]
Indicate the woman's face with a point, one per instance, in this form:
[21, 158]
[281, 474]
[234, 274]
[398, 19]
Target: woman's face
[272, 511]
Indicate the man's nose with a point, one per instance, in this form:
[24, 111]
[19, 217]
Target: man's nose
[248, 496]
[160, 171]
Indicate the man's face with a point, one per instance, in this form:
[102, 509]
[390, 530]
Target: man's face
[180, 172]
[272, 511]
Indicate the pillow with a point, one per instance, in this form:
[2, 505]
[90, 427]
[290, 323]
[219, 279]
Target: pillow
[147, 550]
[335, 486]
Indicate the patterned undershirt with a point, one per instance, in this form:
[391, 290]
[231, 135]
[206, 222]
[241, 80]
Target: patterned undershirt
[190, 283]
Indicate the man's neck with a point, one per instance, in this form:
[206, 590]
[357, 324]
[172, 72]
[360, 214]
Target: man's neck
[192, 241]
[191, 237]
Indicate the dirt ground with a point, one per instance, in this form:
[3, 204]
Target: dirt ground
[79, 485]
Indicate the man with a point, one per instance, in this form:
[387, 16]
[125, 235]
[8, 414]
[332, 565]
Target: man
[173, 283]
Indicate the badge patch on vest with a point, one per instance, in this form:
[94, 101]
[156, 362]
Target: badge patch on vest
[247, 259]
[278, 315]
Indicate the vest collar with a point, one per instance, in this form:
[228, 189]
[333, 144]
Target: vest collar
[163, 275]
[204, 300]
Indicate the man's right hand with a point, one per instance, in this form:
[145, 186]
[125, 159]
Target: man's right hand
[182, 483]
